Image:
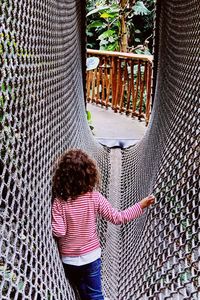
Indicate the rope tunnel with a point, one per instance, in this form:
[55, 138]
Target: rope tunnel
[42, 113]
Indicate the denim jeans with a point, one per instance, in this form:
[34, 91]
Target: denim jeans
[86, 279]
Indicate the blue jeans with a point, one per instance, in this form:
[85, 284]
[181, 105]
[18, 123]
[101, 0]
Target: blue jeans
[86, 279]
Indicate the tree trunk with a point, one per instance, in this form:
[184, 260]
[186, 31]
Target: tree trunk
[123, 27]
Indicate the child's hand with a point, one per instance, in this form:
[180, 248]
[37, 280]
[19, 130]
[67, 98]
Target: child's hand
[147, 201]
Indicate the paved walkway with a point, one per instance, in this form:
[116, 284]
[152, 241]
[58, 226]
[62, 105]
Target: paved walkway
[110, 125]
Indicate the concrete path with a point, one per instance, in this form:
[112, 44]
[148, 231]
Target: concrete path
[110, 125]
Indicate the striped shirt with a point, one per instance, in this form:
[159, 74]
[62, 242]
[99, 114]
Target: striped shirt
[74, 221]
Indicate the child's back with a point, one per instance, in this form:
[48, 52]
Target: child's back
[74, 215]
[78, 230]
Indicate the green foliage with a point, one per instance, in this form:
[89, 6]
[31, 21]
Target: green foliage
[103, 27]
[140, 9]
[140, 25]
[96, 10]
[11, 276]
[9, 47]
[89, 119]
[103, 30]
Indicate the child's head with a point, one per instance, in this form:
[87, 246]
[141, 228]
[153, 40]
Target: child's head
[75, 174]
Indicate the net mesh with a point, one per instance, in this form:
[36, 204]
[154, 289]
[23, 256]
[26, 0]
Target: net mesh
[42, 114]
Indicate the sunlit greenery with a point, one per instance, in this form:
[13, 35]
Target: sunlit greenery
[104, 25]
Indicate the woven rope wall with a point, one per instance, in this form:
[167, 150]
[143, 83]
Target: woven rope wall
[42, 113]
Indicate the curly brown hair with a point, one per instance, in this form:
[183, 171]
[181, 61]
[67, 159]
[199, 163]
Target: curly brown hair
[75, 174]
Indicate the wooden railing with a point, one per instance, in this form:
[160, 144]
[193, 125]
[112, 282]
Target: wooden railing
[122, 81]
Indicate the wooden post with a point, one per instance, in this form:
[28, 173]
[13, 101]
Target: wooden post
[118, 82]
[108, 82]
[142, 83]
[103, 66]
[148, 101]
[98, 84]
[88, 85]
[135, 98]
[94, 76]
[129, 86]
[124, 85]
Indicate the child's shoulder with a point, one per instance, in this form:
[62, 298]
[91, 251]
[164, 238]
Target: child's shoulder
[91, 195]
[95, 193]
[97, 196]
[58, 201]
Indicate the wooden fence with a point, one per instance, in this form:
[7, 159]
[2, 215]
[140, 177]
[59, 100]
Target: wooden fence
[122, 81]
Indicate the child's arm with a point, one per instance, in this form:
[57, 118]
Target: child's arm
[58, 223]
[121, 217]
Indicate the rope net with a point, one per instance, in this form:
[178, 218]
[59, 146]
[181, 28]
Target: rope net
[42, 114]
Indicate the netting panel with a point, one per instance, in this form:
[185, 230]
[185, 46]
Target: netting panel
[165, 262]
[42, 113]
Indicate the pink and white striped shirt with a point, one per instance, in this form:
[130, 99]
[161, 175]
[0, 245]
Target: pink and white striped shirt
[74, 221]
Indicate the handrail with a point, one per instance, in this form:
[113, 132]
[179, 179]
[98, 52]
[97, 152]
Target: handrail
[121, 54]
[122, 81]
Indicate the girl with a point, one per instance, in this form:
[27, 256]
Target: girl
[76, 207]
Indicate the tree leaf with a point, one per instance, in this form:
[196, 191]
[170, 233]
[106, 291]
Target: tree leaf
[140, 9]
[96, 24]
[147, 52]
[111, 39]
[109, 14]
[105, 15]
[89, 115]
[3, 87]
[89, 33]
[103, 42]
[106, 34]
[112, 47]
[21, 285]
[137, 40]
[98, 9]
